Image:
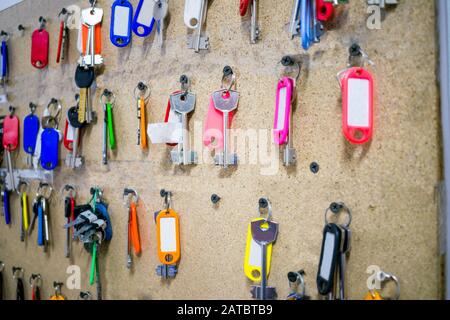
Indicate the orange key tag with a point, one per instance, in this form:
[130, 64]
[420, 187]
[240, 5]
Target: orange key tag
[168, 239]
[131, 199]
[141, 93]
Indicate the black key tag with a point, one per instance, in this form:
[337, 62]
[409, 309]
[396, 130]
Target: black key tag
[328, 258]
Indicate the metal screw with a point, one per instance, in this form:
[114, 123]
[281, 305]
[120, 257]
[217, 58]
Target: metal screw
[263, 203]
[287, 61]
[355, 50]
[227, 71]
[336, 207]
[314, 167]
[184, 79]
[215, 198]
[162, 193]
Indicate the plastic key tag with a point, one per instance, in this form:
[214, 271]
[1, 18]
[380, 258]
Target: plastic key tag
[172, 116]
[143, 21]
[213, 128]
[283, 110]
[111, 134]
[243, 7]
[6, 207]
[30, 133]
[373, 295]
[357, 105]
[69, 135]
[3, 60]
[10, 133]
[39, 48]
[324, 10]
[168, 236]
[121, 19]
[49, 148]
[252, 262]
[328, 258]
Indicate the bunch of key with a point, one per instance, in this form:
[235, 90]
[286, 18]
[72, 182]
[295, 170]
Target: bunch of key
[336, 247]
[41, 211]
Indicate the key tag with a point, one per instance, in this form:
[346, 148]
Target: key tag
[63, 40]
[171, 116]
[143, 20]
[22, 192]
[168, 239]
[141, 94]
[382, 279]
[282, 133]
[108, 100]
[252, 260]
[5, 201]
[324, 9]
[50, 138]
[35, 284]
[357, 86]
[39, 46]
[4, 37]
[297, 286]
[58, 293]
[30, 133]
[121, 20]
[331, 248]
[131, 199]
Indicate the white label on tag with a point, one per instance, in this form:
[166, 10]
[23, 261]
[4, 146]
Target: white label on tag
[37, 149]
[255, 254]
[146, 14]
[358, 103]
[281, 109]
[167, 132]
[121, 21]
[3, 98]
[325, 267]
[70, 132]
[168, 234]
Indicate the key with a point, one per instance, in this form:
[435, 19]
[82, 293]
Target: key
[264, 233]
[10, 143]
[382, 3]
[121, 18]
[141, 115]
[160, 11]
[91, 18]
[30, 134]
[84, 78]
[345, 250]
[73, 160]
[194, 17]
[255, 31]
[183, 103]
[294, 26]
[226, 101]
[143, 21]
[63, 35]
[35, 216]
[328, 259]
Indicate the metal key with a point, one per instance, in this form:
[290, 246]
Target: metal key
[294, 26]
[264, 233]
[73, 160]
[84, 79]
[91, 17]
[255, 31]
[345, 250]
[194, 19]
[226, 101]
[160, 11]
[183, 103]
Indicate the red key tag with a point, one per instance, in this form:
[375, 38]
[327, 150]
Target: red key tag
[11, 133]
[171, 117]
[39, 46]
[69, 136]
[357, 105]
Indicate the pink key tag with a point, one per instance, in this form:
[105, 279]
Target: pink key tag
[39, 48]
[213, 127]
[10, 133]
[357, 105]
[283, 111]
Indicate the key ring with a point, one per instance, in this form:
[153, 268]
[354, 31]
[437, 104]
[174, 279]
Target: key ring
[144, 89]
[44, 186]
[4, 36]
[167, 195]
[108, 95]
[296, 280]
[35, 280]
[70, 189]
[264, 203]
[85, 295]
[385, 277]
[229, 75]
[32, 107]
[126, 196]
[288, 63]
[17, 272]
[22, 183]
[336, 208]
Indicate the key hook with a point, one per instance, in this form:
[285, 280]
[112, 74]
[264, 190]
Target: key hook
[57, 286]
[167, 195]
[130, 195]
[35, 280]
[32, 107]
[108, 95]
[69, 190]
[384, 277]
[356, 52]
[11, 111]
[228, 76]
[336, 208]
[289, 64]
[17, 272]
[4, 36]
[185, 84]
[43, 186]
[42, 23]
[21, 184]
[297, 281]
[144, 91]
[85, 295]
[264, 203]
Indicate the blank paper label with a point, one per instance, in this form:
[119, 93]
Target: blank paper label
[327, 257]
[358, 103]
[255, 254]
[146, 14]
[121, 21]
[168, 234]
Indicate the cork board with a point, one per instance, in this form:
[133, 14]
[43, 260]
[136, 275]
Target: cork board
[389, 184]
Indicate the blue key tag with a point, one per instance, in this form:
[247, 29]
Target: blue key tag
[6, 206]
[3, 61]
[143, 21]
[50, 148]
[30, 133]
[121, 18]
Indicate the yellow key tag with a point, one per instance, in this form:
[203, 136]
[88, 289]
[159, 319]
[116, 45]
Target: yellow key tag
[57, 297]
[168, 237]
[25, 211]
[373, 295]
[252, 263]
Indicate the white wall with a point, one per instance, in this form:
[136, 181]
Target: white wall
[5, 4]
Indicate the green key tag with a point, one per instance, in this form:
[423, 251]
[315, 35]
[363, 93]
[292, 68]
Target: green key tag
[112, 137]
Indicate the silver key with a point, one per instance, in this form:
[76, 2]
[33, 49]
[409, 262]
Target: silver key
[183, 103]
[91, 17]
[197, 41]
[226, 105]
[382, 3]
[264, 237]
[160, 11]
[255, 31]
[294, 26]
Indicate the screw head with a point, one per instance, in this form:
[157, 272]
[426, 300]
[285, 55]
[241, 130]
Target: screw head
[263, 203]
[227, 71]
[215, 198]
[287, 61]
[162, 193]
[336, 207]
[314, 167]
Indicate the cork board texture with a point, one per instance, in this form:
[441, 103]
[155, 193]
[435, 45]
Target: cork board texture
[389, 184]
